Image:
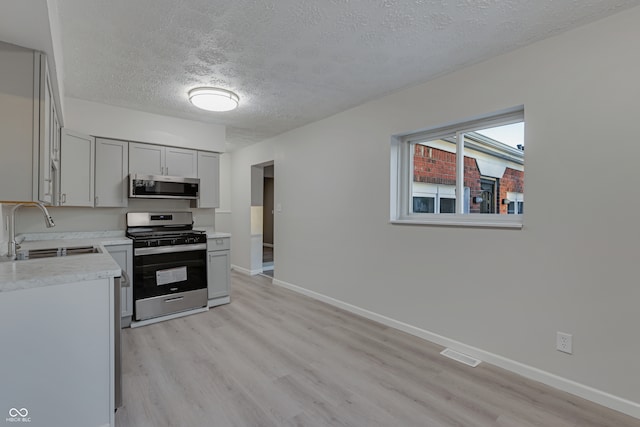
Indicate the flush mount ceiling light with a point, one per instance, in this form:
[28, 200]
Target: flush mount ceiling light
[213, 99]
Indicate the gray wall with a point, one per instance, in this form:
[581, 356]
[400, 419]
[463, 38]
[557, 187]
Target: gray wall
[573, 266]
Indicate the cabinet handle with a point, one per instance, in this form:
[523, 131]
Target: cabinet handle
[64, 198]
[47, 184]
[96, 201]
[126, 282]
[167, 172]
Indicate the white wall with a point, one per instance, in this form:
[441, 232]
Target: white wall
[241, 182]
[131, 125]
[573, 266]
[223, 213]
[35, 24]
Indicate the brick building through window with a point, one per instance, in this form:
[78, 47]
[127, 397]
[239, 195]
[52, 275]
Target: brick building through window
[493, 176]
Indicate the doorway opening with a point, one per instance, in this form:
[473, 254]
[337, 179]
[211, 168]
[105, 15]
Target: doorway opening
[267, 221]
[262, 224]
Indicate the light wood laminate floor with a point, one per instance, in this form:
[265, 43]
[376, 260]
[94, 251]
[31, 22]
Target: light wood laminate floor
[276, 358]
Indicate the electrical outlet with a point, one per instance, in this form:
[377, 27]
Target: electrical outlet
[564, 342]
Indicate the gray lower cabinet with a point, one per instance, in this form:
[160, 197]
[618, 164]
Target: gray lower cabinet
[219, 270]
[57, 355]
[123, 255]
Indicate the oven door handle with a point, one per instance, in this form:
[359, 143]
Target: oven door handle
[170, 249]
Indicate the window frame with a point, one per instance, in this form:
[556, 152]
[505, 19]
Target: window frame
[401, 196]
[518, 202]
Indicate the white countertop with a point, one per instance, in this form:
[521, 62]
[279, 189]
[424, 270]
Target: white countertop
[211, 233]
[106, 238]
[35, 273]
[27, 274]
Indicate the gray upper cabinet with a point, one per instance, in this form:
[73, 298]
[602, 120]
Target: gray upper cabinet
[149, 159]
[47, 137]
[146, 159]
[181, 162]
[209, 174]
[77, 157]
[30, 126]
[112, 169]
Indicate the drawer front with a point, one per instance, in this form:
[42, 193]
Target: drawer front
[219, 244]
[171, 303]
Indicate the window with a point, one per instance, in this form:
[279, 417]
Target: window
[514, 202]
[432, 198]
[470, 173]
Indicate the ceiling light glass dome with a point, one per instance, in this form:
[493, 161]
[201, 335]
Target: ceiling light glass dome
[213, 99]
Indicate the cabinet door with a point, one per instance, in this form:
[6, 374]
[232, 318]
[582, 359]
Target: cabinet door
[146, 159]
[55, 160]
[47, 136]
[209, 174]
[18, 125]
[218, 272]
[77, 155]
[181, 162]
[123, 255]
[112, 170]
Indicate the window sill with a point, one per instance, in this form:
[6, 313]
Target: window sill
[473, 220]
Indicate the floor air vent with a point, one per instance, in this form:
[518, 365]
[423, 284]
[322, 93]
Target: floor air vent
[460, 357]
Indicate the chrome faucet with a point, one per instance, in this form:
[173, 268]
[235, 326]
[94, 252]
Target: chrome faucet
[12, 225]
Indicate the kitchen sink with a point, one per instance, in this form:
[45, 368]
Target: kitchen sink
[24, 254]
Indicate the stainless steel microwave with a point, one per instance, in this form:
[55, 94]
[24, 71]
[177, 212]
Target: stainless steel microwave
[163, 187]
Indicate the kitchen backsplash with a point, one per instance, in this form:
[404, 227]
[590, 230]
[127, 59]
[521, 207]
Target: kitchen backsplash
[29, 220]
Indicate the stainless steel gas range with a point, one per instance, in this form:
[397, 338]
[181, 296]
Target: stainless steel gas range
[169, 264]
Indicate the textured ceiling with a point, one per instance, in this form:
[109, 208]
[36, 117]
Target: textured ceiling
[290, 61]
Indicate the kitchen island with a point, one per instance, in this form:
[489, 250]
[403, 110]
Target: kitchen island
[57, 334]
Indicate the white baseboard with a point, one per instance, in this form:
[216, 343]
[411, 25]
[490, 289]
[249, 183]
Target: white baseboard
[219, 301]
[586, 392]
[245, 271]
